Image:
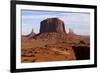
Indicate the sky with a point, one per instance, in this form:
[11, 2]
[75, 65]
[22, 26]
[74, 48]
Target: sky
[78, 22]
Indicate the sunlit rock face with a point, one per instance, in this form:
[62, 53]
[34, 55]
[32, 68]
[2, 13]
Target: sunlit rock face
[52, 25]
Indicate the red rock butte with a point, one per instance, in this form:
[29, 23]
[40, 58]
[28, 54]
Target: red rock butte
[52, 25]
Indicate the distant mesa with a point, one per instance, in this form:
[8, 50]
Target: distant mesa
[52, 25]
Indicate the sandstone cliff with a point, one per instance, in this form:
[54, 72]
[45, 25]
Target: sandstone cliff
[52, 25]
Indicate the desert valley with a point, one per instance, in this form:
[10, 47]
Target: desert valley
[53, 43]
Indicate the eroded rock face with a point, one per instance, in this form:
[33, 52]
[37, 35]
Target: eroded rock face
[52, 25]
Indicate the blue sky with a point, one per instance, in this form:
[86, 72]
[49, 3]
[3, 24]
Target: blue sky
[79, 22]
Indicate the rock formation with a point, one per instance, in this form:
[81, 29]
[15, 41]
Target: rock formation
[71, 32]
[51, 28]
[52, 25]
[31, 35]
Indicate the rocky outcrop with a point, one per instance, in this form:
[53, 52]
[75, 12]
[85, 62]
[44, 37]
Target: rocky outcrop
[52, 25]
[30, 35]
[71, 32]
[51, 35]
[82, 52]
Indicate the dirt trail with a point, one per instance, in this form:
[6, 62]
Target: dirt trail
[61, 52]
